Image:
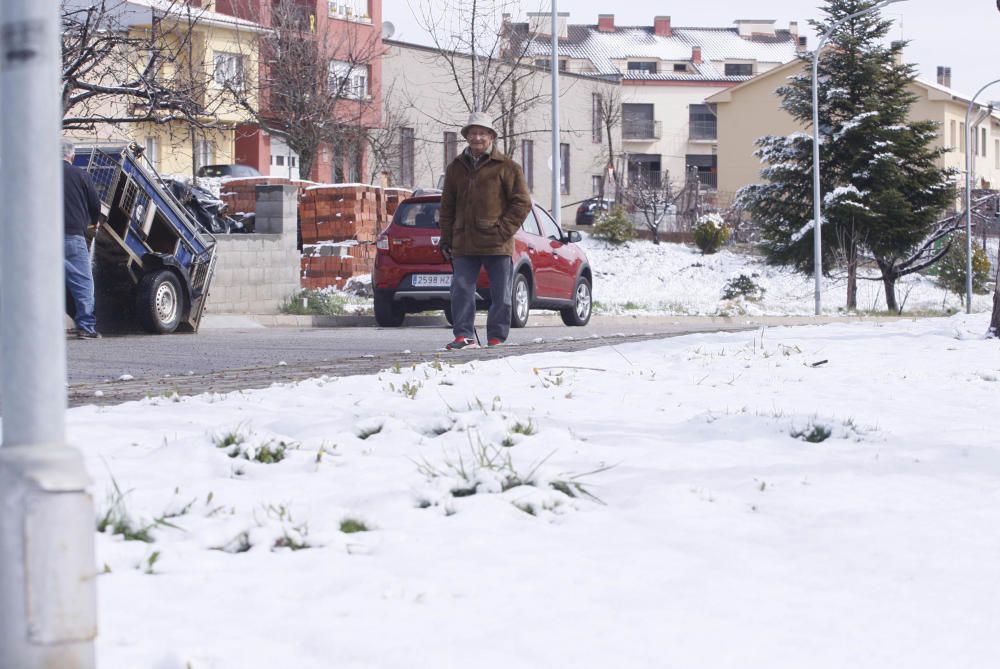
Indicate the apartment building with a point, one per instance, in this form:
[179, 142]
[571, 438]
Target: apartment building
[422, 92]
[666, 74]
[753, 109]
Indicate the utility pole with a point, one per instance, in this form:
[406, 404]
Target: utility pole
[556, 153]
[47, 575]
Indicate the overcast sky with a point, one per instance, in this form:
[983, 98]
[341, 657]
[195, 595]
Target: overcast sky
[962, 34]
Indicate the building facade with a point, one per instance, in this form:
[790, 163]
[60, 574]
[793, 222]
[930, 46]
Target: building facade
[753, 109]
[666, 74]
[422, 94]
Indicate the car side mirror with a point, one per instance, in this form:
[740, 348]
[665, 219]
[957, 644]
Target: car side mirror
[573, 236]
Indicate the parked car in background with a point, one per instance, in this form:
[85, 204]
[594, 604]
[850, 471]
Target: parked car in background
[231, 171]
[591, 208]
[550, 270]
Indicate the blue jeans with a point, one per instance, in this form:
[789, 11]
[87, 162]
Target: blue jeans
[80, 281]
[463, 295]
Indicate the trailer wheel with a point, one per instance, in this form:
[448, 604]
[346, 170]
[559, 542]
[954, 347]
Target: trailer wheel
[159, 302]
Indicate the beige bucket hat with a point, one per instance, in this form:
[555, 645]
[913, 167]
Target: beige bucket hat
[480, 119]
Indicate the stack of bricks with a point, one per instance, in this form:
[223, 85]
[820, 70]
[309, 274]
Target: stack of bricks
[241, 194]
[393, 196]
[339, 213]
[326, 265]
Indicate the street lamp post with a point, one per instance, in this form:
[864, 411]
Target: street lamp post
[968, 196]
[48, 579]
[556, 154]
[817, 204]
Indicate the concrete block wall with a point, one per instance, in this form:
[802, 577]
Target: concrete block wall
[255, 273]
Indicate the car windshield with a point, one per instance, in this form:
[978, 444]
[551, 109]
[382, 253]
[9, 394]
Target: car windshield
[418, 214]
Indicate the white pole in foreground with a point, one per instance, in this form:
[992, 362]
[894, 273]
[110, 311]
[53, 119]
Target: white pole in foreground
[817, 194]
[47, 574]
[556, 154]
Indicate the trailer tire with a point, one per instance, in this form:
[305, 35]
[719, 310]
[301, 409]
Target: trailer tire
[159, 302]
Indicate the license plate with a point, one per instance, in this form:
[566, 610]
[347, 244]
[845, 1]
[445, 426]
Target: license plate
[432, 280]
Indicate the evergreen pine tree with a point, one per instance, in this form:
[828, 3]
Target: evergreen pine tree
[882, 190]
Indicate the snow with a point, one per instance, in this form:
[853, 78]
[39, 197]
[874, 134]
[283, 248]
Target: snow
[714, 537]
[704, 529]
[641, 278]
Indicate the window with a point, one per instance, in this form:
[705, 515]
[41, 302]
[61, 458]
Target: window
[351, 10]
[530, 225]
[954, 135]
[450, 148]
[648, 66]
[406, 151]
[707, 169]
[739, 69]
[983, 142]
[279, 160]
[961, 137]
[204, 152]
[564, 169]
[702, 122]
[637, 121]
[996, 154]
[152, 146]
[546, 63]
[528, 162]
[596, 181]
[548, 226]
[596, 117]
[680, 67]
[348, 80]
[229, 70]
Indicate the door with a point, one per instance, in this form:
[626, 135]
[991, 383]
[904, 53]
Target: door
[555, 276]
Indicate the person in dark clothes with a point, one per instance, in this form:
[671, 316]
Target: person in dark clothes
[484, 202]
[81, 208]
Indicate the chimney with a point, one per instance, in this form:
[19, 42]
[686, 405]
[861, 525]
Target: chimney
[944, 76]
[897, 51]
[696, 55]
[606, 23]
[661, 26]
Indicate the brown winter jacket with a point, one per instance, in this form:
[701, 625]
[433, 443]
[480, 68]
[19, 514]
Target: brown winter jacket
[482, 209]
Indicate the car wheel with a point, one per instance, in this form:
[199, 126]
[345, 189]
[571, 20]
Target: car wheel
[579, 313]
[520, 301]
[388, 312]
[159, 302]
[448, 315]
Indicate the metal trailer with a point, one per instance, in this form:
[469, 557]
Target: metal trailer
[153, 263]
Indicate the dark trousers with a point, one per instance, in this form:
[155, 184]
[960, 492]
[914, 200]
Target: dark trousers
[463, 295]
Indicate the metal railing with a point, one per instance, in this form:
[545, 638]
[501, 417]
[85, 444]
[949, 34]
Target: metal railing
[642, 129]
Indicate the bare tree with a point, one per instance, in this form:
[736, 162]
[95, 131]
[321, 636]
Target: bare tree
[486, 58]
[654, 196]
[306, 97]
[609, 110]
[114, 73]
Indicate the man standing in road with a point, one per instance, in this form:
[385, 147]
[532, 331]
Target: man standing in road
[483, 204]
[81, 208]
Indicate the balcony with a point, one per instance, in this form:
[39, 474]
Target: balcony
[641, 130]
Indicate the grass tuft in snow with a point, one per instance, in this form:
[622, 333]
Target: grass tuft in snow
[352, 525]
[238, 444]
[813, 433]
[117, 520]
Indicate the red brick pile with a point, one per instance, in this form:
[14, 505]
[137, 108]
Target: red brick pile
[241, 194]
[342, 213]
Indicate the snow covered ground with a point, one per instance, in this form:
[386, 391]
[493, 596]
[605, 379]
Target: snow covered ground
[676, 279]
[640, 278]
[819, 497]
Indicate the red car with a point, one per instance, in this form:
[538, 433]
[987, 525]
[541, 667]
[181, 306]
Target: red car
[411, 275]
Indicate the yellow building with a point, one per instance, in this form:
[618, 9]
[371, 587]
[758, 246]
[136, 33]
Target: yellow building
[221, 54]
[753, 109]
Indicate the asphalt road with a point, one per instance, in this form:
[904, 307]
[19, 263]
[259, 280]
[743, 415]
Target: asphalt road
[247, 355]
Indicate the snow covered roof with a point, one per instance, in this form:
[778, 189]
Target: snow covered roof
[718, 45]
[140, 12]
